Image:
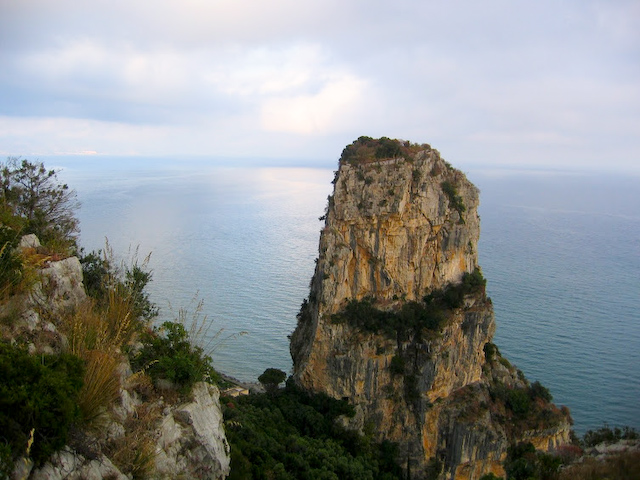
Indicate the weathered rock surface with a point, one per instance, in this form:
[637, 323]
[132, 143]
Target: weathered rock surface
[192, 442]
[60, 285]
[397, 229]
[69, 465]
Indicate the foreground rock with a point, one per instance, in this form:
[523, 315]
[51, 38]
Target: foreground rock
[192, 442]
[398, 228]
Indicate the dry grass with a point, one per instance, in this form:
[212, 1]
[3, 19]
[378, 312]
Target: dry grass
[625, 466]
[101, 387]
[97, 337]
[199, 328]
[134, 452]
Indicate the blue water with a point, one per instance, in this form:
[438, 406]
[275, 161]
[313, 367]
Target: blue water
[561, 252]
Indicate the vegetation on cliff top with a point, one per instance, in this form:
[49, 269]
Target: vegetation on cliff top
[367, 149]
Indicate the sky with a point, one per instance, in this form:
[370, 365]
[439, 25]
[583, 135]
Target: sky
[501, 82]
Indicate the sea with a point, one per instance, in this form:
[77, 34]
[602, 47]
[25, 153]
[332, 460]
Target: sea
[232, 243]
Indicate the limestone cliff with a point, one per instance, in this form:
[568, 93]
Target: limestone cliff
[398, 323]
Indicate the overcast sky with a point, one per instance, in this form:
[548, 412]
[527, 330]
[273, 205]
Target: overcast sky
[529, 83]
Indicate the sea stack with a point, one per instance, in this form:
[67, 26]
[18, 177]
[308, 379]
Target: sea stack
[398, 323]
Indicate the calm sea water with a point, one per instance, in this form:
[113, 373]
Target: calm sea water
[561, 252]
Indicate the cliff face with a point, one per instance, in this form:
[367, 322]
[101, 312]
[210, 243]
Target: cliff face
[398, 229]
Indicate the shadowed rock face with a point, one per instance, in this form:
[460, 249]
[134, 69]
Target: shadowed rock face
[397, 229]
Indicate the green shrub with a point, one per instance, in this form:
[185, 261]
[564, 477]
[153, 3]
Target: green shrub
[103, 275]
[169, 354]
[490, 476]
[39, 394]
[10, 263]
[397, 365]
[491, 351]
[366, 149]
[271, 379]
[293, 434]
[524, 463]
[455, 200]
[606, 434]
[46, 207]
[413, 317]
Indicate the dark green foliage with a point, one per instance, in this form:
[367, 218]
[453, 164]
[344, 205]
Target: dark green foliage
[537, 390]
[34, 194]
[388, 148]
[169, 354]
[367, 149]
[608, 435]
[136, 279]
[397, 365]
[518, 401]
[95, 273]
[101, 278]
[6, 461]
[10, 263]
[39, 393]
[294, 435]
[491, 351]
[490, 476]
[524, 463]
[271, 379]
[413, 317]
[453, 295]
[455, 200]
[304, 315]
[433, 469]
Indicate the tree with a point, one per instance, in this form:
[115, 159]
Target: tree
[272, 378]
[47, 207]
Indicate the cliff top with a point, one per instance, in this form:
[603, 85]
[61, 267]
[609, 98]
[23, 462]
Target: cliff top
[366, 149]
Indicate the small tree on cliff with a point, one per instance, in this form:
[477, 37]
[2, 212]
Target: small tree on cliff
[44, 206]
[271, 379]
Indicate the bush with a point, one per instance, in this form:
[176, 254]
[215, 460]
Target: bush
[271, 379]
[524, 463]
[46, 207]
[293, 434]
[38, 396]
[169, 354]
[397, 365]
[455, 200]
[413, 317]
[11, 267]
[105, 278]
[608, 435]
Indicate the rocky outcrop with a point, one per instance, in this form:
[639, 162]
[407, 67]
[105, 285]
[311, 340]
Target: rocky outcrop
[163, 439]
[192, 442]
[400, 236]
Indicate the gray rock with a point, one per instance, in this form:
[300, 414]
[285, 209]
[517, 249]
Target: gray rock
[191, 441]
[29, 241]
[68, 465]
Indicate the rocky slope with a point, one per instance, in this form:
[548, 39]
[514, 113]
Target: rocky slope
[397, 320]
[181, 437]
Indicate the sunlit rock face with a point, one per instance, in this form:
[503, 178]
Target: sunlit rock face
[396, 229]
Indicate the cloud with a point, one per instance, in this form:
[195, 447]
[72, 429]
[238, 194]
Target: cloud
[329, 110]
[209, 77]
